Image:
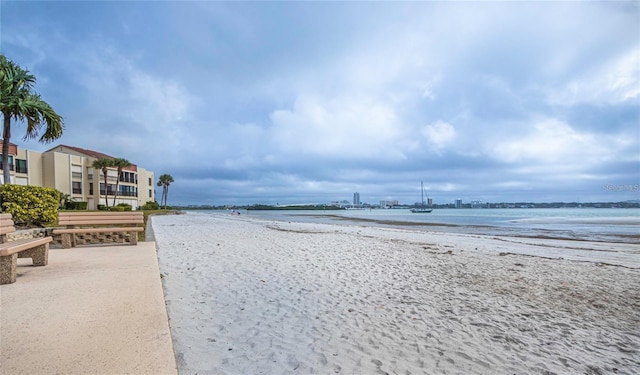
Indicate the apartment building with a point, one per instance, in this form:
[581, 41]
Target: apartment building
[69, 169]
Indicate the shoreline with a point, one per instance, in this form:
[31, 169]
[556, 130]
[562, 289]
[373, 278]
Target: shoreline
[493, 230]
[249, 295]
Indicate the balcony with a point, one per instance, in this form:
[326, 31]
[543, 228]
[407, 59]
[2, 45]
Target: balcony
[120, 194]
[128, 179]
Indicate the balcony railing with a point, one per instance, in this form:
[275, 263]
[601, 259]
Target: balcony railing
[120, 194]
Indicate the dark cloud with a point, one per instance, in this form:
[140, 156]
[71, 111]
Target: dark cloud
[309, 102]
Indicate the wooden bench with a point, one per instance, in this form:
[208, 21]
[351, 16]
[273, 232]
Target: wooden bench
[35, 248]
[95, 221]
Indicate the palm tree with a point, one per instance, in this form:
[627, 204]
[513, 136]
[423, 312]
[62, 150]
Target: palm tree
[102, 164]
[18, 102]
[119, 163]
[165, 180]
[163, 192]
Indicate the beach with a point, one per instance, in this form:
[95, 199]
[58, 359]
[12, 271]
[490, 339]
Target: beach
[255, 296]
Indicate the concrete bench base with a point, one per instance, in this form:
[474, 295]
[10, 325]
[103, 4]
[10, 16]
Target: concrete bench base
[68, 236]
[35, 248]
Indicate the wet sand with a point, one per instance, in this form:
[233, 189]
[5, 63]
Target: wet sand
[246, 295]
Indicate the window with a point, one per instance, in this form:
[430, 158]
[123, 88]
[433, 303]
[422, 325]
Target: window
[76, 187]
[110, 189]
[21, 166]
[10, 163]
[150, 182]
[90, 188]
[76, 171]
[150, 193]
[127, 191]
[128, 177]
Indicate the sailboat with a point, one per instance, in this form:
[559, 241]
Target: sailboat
[423, 208]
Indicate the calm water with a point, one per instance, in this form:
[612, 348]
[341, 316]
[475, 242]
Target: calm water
[595, 224]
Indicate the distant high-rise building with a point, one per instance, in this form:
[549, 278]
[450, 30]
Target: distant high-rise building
[356, 198]
[458, 203]
[388, 204]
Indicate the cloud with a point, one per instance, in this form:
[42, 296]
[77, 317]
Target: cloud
[553, 142]
[439, 134]
[261, 101]
[617, 81]
[340, 127]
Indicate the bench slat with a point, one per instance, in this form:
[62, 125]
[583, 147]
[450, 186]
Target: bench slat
[100, 214]
[100, 218]
[98, 222]
[94, 216]
[97, 230]
[5, 230]
[12, 247]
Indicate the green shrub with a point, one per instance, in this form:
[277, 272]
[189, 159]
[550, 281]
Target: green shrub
[30, 205]
[116, 208]
[126, 206]
[102, 207]
[151, 205]
[72, 205]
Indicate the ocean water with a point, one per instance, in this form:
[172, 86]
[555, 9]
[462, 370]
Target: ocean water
[589, 224]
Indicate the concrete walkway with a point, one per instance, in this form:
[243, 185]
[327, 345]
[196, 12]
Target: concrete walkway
[92, 310]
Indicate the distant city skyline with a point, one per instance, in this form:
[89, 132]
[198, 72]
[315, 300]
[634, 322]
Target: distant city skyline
[294, 102]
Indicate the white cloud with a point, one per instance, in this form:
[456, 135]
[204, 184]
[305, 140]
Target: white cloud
[353, 126]
[439, 134]
[142, 106]
[611, 83]
[553, 142]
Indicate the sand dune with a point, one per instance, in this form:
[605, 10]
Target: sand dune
[249, 296]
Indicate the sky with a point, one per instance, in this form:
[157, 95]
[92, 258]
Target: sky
[309, 102]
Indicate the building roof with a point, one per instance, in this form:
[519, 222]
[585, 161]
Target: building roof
[94, 154]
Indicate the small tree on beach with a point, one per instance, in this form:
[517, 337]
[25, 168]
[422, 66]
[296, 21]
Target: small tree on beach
[103, 164]
[119, 163]
[19, 102]
[165, 180]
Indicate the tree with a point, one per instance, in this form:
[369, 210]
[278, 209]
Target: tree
[19, 102]
[165, 180]
[103, 164]
[119, 163]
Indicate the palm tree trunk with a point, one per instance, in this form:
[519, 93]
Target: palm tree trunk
[6, 135]
[116, 193]
[106, 191]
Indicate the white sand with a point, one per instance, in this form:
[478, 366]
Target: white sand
[248, 296]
